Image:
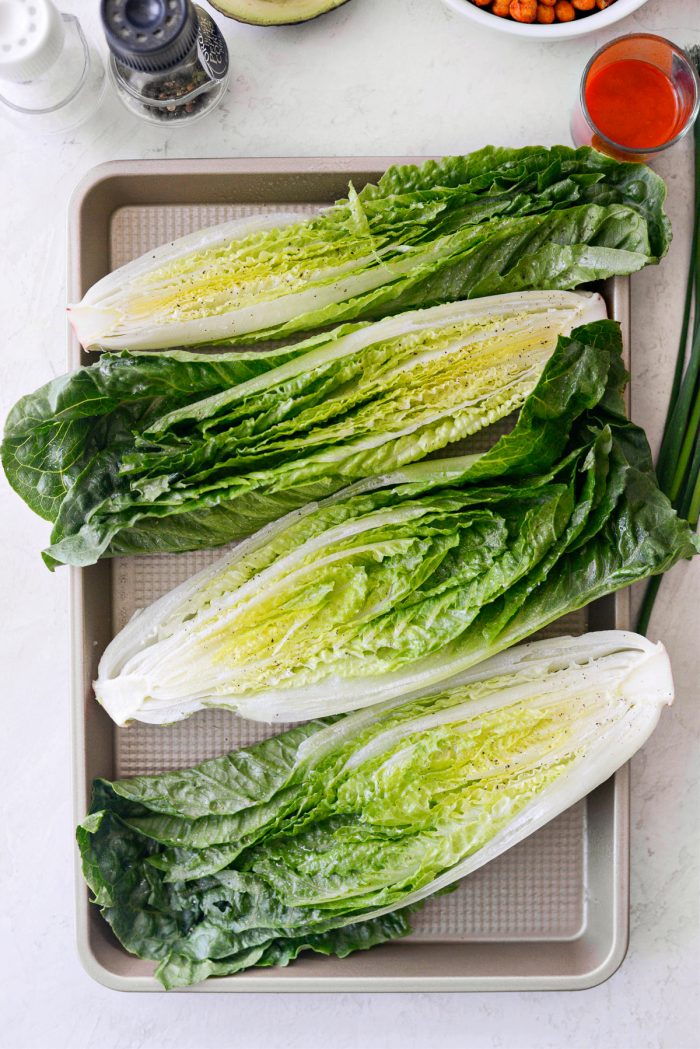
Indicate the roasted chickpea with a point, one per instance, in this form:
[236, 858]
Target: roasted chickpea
[564, 11]
[523, 10]
[543, 11]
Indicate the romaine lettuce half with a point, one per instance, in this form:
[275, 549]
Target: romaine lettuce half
[326, 836]
[179, 451]
[403, 580]
[494, 221]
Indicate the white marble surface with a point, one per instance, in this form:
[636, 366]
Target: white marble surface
[383, 77]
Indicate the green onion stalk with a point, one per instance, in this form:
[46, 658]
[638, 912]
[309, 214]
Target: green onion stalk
[678, 464]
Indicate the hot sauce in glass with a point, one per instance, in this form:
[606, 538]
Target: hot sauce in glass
[639, 94]
[634, 103]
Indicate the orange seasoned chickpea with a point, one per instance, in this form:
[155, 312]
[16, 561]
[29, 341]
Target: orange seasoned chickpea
[583, 5]
[564, 11]
[523, 10]
[602, 4]
[482, 3]
[545, 14]
[547, 3]
[501, 8]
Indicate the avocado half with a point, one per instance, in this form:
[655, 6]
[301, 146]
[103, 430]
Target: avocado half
[274, 12]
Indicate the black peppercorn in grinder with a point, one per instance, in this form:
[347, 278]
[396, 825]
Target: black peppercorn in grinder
[168, 59]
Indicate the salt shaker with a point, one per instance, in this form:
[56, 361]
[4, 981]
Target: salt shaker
[168, 58]
[51, 77]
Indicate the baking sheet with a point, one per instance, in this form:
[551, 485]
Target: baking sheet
[563, 889]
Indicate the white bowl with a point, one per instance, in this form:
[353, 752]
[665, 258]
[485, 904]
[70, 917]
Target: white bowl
[555, 31]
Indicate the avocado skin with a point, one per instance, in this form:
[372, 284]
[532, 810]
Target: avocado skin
[227, 7]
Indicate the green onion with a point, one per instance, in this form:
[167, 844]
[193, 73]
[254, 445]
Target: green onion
[678, 464]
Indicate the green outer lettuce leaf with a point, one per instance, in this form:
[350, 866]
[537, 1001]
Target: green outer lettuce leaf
[495, 220]
[53, 436]
[327, 836]
[403, 580]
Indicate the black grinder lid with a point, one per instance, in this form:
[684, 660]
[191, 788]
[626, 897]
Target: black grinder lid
[152, 36]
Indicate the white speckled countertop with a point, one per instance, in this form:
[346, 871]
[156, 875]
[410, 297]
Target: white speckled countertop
[382, 77]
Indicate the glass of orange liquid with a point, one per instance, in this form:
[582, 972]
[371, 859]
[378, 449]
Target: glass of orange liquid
[639, 95]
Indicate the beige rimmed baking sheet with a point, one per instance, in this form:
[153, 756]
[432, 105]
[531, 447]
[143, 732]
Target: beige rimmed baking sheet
[550, 913]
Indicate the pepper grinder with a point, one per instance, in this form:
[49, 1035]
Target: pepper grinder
[168, 59]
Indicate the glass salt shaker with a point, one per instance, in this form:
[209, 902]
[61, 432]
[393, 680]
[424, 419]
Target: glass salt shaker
[168, 59]
[51, 77]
